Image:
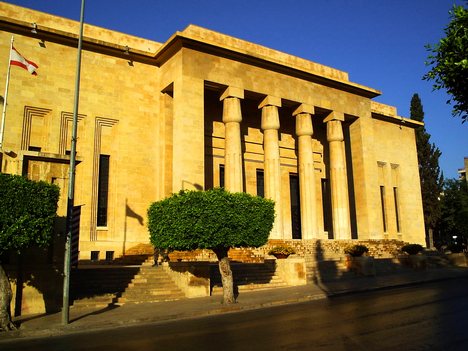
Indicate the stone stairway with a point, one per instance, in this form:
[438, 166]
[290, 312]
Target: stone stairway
[247, 277]
[151, 284]
[99, 286]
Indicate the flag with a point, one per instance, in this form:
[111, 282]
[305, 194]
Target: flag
[16, 59]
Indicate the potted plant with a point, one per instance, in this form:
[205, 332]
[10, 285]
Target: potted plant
[412, 249]
[281, 251]
[356, 250]
[413, 256]
[358, 261]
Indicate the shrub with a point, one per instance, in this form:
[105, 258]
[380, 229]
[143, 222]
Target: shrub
[356, 250]
[27, 212]
[412, 249]
[281, 250]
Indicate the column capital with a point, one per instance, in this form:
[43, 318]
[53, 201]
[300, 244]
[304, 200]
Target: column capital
[270, 101]
[304, 124]
[304, 108]
[334, 131]
[232, 92]
[334, 116]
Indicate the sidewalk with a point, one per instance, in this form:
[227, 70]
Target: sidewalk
[114, 316]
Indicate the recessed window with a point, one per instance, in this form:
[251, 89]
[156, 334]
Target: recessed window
[94, 255]
[397, 215]
[384, 212]
[221, 176]
[109, 256]
[34, 148]
[260, 183]
[103, 190]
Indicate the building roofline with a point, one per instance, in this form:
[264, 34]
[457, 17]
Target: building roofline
[277, 61]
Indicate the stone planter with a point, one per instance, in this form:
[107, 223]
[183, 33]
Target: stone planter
[417, 262]
[280, 256]
[362, 265]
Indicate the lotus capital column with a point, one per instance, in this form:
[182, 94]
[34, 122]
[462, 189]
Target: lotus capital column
[270, 126]
[232, 116]
[307, 192]
[338, 176]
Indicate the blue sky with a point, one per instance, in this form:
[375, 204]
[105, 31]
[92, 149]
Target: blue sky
[380, 43]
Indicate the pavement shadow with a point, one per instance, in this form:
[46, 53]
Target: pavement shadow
[110, 307]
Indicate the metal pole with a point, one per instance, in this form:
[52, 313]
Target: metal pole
[5, 97]
[71, 180]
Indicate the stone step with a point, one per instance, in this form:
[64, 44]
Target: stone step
[95, 301]
[137, 294]
[218, 290]
[123, 300]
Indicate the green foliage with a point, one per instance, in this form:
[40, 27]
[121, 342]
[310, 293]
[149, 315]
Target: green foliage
[449, 62]
[430, 176]
[212, 219]
[412, 249]
[281, 250]
[356, 250]
[27, 212]
[454, 221]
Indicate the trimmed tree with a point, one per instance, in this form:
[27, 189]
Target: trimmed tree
[212, 219]
[454, 221]
[448, 60]
[429, 171]
[27, 213]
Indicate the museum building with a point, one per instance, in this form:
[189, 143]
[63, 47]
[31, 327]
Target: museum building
[198, 111]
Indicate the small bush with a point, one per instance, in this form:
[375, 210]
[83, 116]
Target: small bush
[281, 250]
[412, 249]
[356, 250]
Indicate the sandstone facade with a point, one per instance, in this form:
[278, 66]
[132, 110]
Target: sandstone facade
[204, 110]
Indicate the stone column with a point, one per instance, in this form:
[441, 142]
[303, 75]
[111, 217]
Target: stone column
[270, 126]
[338, 177]
[232, 117]
[304, 132]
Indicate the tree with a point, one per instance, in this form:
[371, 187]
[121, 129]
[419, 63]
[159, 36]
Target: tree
[27, 213]
[213, 219]
[429, 171]
[454, 220]
[449, 62]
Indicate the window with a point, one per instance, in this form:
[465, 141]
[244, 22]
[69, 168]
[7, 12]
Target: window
[221, 176]
[34, 148]
[397, 215]
[103, 190]
[260, 183]
[382, 201]
[94, 255]
[295, 206]
[109, 256]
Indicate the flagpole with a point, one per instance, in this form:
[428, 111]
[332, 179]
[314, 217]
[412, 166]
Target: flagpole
[5, 97]
[71, 181]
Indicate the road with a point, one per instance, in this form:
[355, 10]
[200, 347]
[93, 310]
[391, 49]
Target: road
[426, 317]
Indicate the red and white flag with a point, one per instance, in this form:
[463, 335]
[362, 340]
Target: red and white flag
[16, 59]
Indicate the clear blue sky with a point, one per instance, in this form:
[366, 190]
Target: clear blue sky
[380, 43]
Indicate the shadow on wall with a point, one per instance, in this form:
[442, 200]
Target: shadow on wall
[36, 275]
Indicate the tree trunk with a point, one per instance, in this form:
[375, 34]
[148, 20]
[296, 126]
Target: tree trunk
[226, 275]
[5, 300]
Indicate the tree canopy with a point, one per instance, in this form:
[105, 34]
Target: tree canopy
[448, 60]
[27, 212]
[211, 219]
[454, 221]
[214, 219]
[429, 171]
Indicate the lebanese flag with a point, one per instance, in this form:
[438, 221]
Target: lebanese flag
[16, 59]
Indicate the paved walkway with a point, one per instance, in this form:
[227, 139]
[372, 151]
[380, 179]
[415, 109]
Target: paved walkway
[95, 318]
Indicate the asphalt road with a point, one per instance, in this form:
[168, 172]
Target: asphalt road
[427, 317]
